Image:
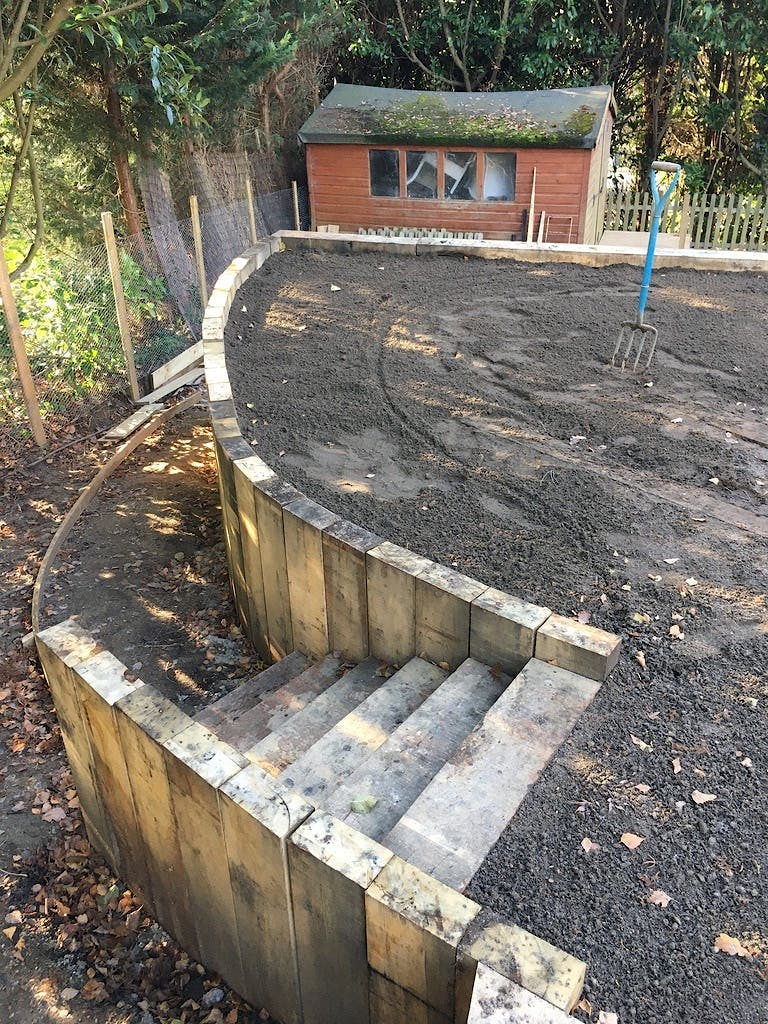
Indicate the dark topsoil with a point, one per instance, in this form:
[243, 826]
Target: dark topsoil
[465, 409]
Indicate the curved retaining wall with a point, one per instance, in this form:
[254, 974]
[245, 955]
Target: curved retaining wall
[306, 579]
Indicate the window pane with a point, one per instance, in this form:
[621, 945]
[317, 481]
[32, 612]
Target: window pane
[460, 176]
[499, 184]
[385, 173]
[421, 175]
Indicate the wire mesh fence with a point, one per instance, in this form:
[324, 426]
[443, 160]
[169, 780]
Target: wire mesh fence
[69, 321]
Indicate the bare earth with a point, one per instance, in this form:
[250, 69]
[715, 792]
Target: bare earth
[465, 409]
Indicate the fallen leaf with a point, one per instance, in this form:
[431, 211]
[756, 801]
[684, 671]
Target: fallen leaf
[67, 994]
[9, 933]
[747, 762]
[631, 841]
[585, 1006]
[702, 798]
[671, 561]
[714, 480]
[588, 846]
[643, 787]
[641, 617]
[729, 944]
[363, 804]
[54, 814]
[640, 743]
[676, 632]
[691, 581]
[626, 586]
[14, 917]
[640, 658]
[335, 288]
[576, 439]
[583, 616]
[678, 419]
[659, 898]
[656, 579]
[676, 765]
[606, 1016]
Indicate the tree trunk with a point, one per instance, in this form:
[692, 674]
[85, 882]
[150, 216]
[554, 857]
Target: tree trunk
[126, 190]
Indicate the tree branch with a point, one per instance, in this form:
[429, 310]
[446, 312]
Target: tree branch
[452, 46]
[411, 53]
[11, 83]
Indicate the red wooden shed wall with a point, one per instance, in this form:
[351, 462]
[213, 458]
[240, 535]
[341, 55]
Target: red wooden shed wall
[340, 194]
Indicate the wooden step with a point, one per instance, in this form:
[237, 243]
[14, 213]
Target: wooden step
[450, 828]
[294, 737]
[396, 773]
[344, 747]
[231, 707]
[276, 706]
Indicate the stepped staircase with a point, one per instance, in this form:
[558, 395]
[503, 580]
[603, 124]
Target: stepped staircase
[431, 764]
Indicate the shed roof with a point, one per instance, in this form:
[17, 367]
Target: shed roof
[364, 114]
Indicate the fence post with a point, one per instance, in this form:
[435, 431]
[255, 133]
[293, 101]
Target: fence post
[122, 312]
[685, 218]
[251, 211]
[296, 214]
[197, 235]
[20, 353]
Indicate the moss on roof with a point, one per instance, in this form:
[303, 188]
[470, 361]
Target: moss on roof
[568, 118]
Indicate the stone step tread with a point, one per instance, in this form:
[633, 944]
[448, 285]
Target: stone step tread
[396, 773]
[452, 825]
[286, 743]
[276, 706]
[242, 699]
[344, 747]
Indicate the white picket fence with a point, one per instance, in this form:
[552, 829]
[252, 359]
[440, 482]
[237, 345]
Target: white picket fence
[700, 220]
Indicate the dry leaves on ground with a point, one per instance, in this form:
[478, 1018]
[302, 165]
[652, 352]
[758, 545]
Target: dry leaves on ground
[731, 945]
[588, 846]
[631, 841]
[659, 898]
[702, 798]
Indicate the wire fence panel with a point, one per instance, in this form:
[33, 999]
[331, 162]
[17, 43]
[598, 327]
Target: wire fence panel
[69, 323]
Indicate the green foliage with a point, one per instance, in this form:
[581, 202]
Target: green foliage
[67, 314]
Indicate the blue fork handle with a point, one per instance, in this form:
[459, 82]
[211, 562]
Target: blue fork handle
[659, 202]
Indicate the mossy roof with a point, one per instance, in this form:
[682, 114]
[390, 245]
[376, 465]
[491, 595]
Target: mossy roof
[568, 118]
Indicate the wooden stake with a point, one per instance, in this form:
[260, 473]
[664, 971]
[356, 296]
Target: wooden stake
[251, 211]
[529, 237]
[20, 354]
[120, 307]
[685, 217]
[197, 235]
[296, 214]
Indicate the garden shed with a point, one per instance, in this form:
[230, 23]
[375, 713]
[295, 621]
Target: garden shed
[461, 162]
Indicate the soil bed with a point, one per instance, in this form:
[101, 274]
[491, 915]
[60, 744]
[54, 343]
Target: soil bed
[465, 409]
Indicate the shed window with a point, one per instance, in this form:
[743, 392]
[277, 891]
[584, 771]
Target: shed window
[384, 166]
[499, 183]
[421, 174]
[460, 176]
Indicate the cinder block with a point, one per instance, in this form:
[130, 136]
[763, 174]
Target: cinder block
[197, 764]
[391, 584]
[516, 954]
[503, 630]
[346, 598]
[258, 815]
[271, 496]
[415, 925]
[101, 682]
[443, 601]
[303, 522]
[585, 650]
[248, 472]
[331, 866]
[145, 721]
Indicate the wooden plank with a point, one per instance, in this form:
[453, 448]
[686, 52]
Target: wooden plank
[762, 233]
[450, 828]
[183, 361]
[396, 773]
[331, 867]
[121, 309]
[279, 705]
[246, 473]
[303, 524]
[173, 385]
[197, 238]
[258, 815]
[235, 704]
[503, 630]
[132, 423]
[346, 595]
[355, 737]
[443, 599]
[294, 736]
[391, 584]
[415, 925]
[583, 649]
[20, 353]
